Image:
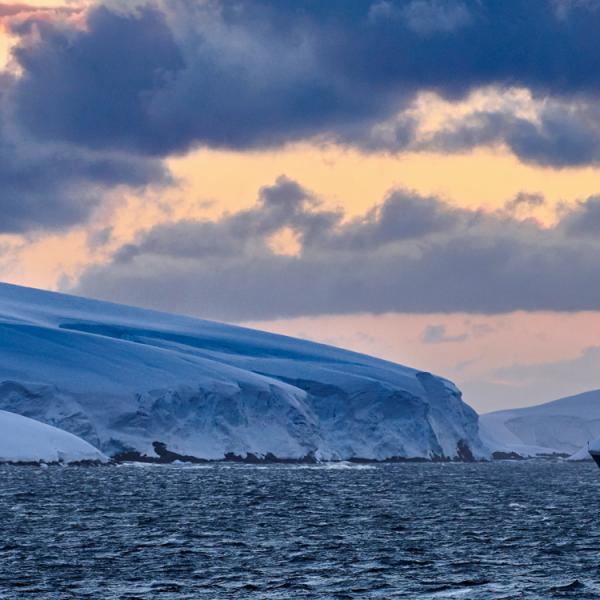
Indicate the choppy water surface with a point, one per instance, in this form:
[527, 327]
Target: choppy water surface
[504, 530]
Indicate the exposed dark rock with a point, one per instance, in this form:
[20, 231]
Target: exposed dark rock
[507, 456]
[269, 458]
[164, 456]
[464, 452]
[515, 456]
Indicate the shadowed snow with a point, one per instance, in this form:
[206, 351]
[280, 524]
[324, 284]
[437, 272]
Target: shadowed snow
[122, 378]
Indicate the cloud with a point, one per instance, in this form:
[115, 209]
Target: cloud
[55, 189]
[524, 200]
[9, 10]
[560, 134]
[12, 14]
[98, 239]
[436, 334]
[424, 17]
[162, 77]
[34, 199]
[54, 185]
[101, 99]
[403, 216]
[432, 16]
[524, 384]
[584, 219]
[93, 86]
[583, 367]
[426, 257]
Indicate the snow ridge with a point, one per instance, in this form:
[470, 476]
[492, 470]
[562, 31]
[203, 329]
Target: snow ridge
[123, 378]
[563, 426]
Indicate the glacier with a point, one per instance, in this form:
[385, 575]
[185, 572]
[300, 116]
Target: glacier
[563, 426]
[133, 382]
[23, 440]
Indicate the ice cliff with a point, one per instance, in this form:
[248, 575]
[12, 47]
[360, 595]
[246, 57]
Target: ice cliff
[124, 379]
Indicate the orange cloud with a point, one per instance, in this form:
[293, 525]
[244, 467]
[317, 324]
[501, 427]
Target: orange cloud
[12, 13]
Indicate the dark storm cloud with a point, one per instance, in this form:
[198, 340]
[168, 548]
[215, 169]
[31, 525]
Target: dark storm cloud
[402, 216]
[99, 100]
[53, 186]
[425, 257]
[93, 88]
[57, 190]
[164, 77]
[584, 220]
[559, 136]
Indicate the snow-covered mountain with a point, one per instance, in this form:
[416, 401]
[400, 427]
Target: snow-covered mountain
[124, 378]
[24, 440]
[563, 426]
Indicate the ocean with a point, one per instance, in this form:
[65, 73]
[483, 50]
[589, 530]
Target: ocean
[526, 529]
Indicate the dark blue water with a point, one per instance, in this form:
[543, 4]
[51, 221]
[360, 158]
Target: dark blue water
[503, 530]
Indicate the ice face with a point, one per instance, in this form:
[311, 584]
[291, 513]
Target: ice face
[122, 378]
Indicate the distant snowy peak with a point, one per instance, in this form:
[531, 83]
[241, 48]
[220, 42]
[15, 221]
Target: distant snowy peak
[125, 379]
[563, 426]
[24, 440]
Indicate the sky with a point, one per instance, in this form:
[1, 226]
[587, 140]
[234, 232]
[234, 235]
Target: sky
[418, 179]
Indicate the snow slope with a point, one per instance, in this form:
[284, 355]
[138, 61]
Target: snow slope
[563, 426]
[24, 440]
[122, 378]
[584, 452]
